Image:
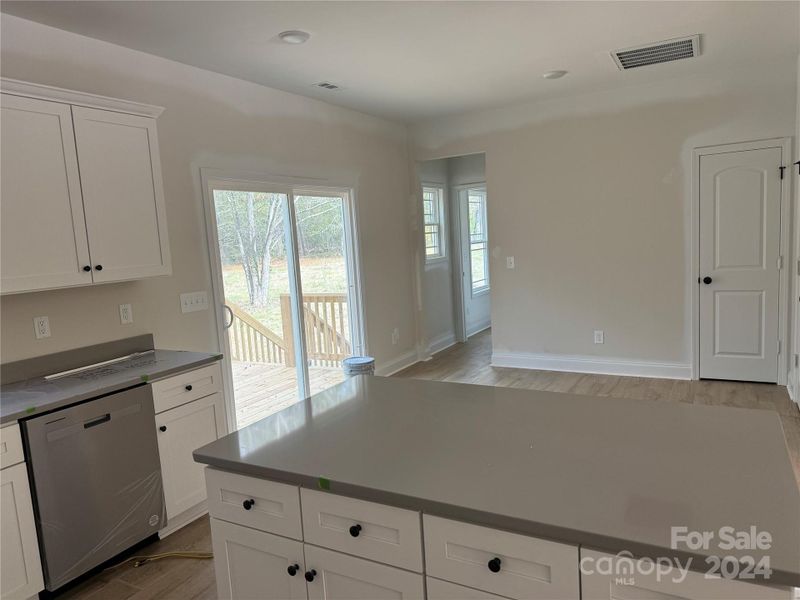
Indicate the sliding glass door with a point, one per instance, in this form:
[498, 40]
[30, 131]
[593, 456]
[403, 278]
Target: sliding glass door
[287, 288]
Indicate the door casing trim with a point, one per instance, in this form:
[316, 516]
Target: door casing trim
[784, 290]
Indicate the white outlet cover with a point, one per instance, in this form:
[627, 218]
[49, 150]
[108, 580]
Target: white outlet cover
[125, 314]
[41, 327]
[509, 262]
[599, 336]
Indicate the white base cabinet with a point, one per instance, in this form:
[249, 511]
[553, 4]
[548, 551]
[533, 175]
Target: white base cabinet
[190, 413]
[20, 566]
[349, 549]
[336, 576]
[253, 564]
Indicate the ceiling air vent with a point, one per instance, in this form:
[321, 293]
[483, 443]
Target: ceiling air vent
[327, 85]
[660, 52]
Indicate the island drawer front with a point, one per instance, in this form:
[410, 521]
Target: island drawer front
[619, 580]
[444, 590]
[257, 503]
[185, 387]
[529, 568]
[11, 452]
[385, 534]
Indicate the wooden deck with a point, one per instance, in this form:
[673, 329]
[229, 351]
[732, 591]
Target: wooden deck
[263, 389]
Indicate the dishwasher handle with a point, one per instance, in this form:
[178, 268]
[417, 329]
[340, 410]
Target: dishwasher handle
[97, 421]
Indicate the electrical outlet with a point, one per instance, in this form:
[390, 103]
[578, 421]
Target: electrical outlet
[194, 301]
[395, 336]
[41, 327]
[125, 314]
[509, 262]
[599, 336]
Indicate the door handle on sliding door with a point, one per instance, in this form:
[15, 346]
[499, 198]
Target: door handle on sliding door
[230, 312]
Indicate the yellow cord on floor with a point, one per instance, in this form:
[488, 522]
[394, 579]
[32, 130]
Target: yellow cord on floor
[138, 561]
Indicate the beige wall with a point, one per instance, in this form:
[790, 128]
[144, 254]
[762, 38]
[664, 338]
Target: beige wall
[216, 121]
[591, 195]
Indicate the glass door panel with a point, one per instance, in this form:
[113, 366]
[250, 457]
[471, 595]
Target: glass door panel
[252, 235]
[322, 244]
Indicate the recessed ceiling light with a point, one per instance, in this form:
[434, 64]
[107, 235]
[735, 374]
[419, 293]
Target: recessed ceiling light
[294, 36]
[554, 74]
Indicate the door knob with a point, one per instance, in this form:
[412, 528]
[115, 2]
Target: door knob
[162, 428]
[189, 388]
[248, 504]
[310, 575]
[99, 267]
[707, 280]
[355, 530]
[87, 268]
[293, 569]
[494, 565]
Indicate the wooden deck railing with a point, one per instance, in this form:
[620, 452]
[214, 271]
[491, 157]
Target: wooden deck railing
[325, 317]
[252, 341]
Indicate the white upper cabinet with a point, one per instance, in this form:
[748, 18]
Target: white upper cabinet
[123, 195]
[43, 239]
[82, 196]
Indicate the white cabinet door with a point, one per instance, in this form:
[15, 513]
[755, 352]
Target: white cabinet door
[43, 235]
[20, 569]
[251, 564]
[336, 576]
[181, 431]
[123, 194]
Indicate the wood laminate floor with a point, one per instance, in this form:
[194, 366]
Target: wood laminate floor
[464, 363]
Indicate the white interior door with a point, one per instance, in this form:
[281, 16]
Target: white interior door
[740, 225]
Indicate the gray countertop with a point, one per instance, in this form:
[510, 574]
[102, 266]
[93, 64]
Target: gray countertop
[610, 474]
[37, 395]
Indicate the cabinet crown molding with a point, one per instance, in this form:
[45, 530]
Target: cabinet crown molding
[48, 92]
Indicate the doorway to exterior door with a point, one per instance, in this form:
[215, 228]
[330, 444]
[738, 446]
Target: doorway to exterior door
[286, 283]
[740, 262]
[474, 247]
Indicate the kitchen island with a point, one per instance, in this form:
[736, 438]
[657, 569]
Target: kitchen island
[404, 488]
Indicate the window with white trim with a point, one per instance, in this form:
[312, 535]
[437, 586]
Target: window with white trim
[433, 219]
[478, 239]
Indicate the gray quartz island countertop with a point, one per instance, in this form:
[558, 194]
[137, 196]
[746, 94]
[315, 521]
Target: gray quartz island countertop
[606, 473]
[37, 395]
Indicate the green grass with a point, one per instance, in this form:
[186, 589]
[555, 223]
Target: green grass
[318, 275]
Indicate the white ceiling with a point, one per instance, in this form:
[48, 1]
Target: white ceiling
[416, 60]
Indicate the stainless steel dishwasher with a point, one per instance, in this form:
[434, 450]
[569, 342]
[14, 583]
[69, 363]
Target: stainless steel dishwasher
[96, 478]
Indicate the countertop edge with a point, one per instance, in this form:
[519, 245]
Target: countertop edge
[496, 521]
[101, 390]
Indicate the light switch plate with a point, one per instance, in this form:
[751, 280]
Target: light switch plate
[125, 314]
[194, 301]
[509, 262]
[41, 327]
[599, 336]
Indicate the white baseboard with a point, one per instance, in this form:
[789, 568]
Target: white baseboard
[397, 364]
[441, 342]
[591, 364]
[478, 327]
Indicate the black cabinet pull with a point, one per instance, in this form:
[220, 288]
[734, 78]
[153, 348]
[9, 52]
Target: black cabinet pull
[87, 268]
[248, 504]
[98, 267]
[494, 565]
[162, 428]
[310, 575]
[707, 280]
[189, 388]
[293, 569]
[355, 530]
